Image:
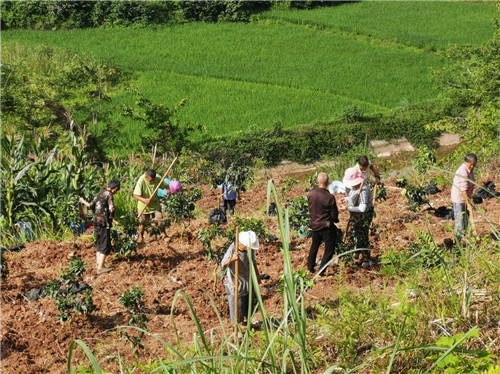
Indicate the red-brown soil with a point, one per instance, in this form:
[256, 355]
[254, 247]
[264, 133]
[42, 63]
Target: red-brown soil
[33, 341]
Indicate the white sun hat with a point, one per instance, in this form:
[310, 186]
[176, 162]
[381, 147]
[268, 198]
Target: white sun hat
[353, 177]
[249, 239]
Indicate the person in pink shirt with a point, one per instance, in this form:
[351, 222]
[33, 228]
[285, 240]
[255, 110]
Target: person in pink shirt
[461, 193]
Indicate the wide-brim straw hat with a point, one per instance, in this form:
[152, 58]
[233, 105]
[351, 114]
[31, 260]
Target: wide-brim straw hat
[353, 177]
[249, 239]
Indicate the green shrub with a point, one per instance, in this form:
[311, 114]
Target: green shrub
[299, 217]
[131, 300]
[68, 300]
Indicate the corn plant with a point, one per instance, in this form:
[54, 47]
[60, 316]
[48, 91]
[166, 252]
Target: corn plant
[14, 169]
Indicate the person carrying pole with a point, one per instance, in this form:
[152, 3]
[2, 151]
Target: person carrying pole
[238, 263]
[361, 213]
[461, 194]
[146, 193]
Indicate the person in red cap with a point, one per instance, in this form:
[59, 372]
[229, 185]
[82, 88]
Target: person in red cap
[360, 207]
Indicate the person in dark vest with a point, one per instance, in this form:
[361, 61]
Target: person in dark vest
[103, 206]
[324, 215]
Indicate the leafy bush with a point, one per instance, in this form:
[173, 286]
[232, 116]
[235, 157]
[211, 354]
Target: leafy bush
[299, 217]
[123, 244]
[240, 175]
[206, 236]
[68, 300]
[166, 133]
[132, 301]
[181, 206]
[425, 158]
[416, 195]
[64, 14]
[477, 361]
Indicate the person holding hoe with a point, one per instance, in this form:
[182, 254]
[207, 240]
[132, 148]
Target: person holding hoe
[461, 194]
[361, 210]
[324, 215]
[238, 264]
[104, 216]
[148, 206]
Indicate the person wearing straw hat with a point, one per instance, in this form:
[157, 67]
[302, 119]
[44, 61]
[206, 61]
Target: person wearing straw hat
[461, 193]
[143, 193]
[246, 239]
[324, 214]
[360, 207]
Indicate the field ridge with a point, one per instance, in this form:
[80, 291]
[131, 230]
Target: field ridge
[266, 84]
[348, 33]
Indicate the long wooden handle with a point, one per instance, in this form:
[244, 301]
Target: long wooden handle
[157, 187]
[359, 193]
[468, 206]
[236, 276]
[374, 194]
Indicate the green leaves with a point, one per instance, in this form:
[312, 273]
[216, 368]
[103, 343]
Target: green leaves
[70, 299]
[166, 132]
[180, 206]
[131, 299]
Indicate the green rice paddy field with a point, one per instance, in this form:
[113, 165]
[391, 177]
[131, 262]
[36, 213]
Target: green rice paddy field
[291, 67]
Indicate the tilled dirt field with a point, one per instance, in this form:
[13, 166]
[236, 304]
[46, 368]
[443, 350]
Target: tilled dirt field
[33, 341]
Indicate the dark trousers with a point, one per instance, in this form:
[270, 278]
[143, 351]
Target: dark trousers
[358, 233]
[243, 302]
[329, 237]
[228, 206]
[103, 240]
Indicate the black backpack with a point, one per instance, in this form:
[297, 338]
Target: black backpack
[217, 216]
